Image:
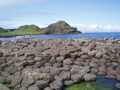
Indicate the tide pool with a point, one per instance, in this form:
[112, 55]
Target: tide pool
[101, 83]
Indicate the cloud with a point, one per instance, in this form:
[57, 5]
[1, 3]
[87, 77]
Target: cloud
[97, 28]
[7, 25]
[6, 3]
[81, 27]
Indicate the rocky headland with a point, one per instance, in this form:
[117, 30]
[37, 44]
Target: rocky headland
[60, 27]
[52, 64]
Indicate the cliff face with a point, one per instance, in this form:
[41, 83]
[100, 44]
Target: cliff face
[61, 27]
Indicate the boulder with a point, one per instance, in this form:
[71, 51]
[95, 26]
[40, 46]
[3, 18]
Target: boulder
[26, 82]
[16, 80]
[57, 85]
[2, 87]
[118, 77]
[68, 82]
[41, 83]
[117, 85]
[110, 76]
[2, 79]
[77, 77]
[67, 62]
[23, 88]
[17, 87]
[33, 88]
[65, 75]
[89, 77]
[48, 88]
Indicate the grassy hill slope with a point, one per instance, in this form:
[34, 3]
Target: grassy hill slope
[60, 27]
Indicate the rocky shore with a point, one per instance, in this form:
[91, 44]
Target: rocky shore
[52, 64]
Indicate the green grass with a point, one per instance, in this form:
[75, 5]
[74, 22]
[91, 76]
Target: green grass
[32, 29]
[3, 30]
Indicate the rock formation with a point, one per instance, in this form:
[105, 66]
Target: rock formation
[47, 64]
[61, 27]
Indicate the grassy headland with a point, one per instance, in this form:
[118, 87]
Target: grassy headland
[60, 27]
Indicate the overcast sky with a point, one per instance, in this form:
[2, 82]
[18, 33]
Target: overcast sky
[86, 15]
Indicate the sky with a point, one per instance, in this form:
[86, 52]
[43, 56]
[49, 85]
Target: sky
[86, 15]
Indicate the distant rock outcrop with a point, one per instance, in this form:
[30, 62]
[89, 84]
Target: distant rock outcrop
[61, 27]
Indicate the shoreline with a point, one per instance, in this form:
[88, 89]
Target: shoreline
[54, 63]
[8, 36]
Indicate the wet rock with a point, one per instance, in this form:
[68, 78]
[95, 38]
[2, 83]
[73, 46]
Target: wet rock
[57, 85]
[41, 83]
[118, 77]
[77, 77]
[2, 87]
[89, 77]
[110, 76]
[117, 85]
[68, 82]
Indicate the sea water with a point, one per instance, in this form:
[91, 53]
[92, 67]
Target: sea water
[84, 35]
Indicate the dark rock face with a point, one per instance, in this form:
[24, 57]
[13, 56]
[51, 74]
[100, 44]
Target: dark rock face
[61, 27]
[51, 64]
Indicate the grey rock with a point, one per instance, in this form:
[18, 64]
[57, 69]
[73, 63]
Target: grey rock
[48, 88]
[16, 80]
[33, 88]
[23, 88]
[17, 87]
[65, 75]
[26, 82]
[68, 82]
[67, 62]
[41, 83]
[89, 77]
[2, 79]
[77, 77]
[118, 77]
[117, 85]
[57, 85]
[2, 87]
